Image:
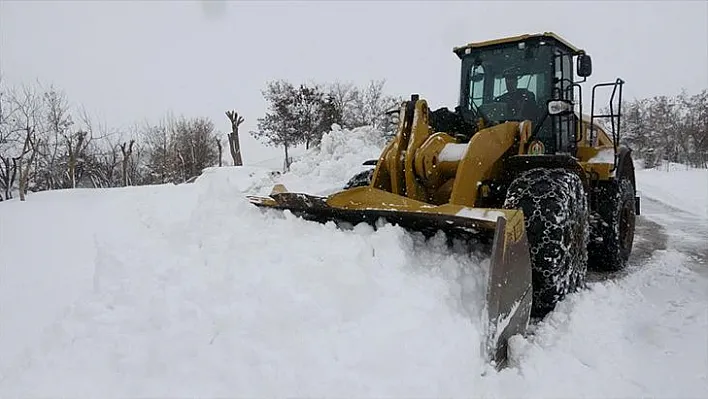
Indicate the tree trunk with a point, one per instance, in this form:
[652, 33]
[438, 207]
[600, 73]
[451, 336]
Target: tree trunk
[184, 166]
[235, 149]
[15, 168]
[9, 173]
[218, 145]
[286, 166]
[24, 172]
[127, 151]
[22, 187]
[74, 152]
[125, 171]
[194, 159]
[71, 170]
[234, 145]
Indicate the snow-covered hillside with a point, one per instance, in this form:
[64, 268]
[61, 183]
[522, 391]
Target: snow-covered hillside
[189, 290]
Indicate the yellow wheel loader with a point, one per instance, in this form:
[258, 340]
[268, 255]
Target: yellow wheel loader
[517, 169]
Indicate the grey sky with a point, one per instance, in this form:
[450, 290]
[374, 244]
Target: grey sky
[128, 60]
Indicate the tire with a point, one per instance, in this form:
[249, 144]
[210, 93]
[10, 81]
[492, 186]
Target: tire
[557, 225]
[360, 179]
[613, 227]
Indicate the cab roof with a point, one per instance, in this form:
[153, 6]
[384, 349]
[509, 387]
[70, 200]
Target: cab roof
[550, 36]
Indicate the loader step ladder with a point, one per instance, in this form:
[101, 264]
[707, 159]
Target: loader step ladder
[615, 125]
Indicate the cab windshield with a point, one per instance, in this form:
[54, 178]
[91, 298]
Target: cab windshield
[508, 83]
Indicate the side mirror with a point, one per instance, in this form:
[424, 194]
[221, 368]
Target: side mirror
[560, 107]
[584, 65]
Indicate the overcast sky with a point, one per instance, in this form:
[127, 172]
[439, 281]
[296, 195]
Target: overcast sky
[131, 60]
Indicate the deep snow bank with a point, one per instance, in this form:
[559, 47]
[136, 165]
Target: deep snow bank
[190, 290]
[49, 249]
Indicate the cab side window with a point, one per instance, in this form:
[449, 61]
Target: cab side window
[476, 93]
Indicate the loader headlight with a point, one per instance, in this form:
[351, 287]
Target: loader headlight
[560, 107]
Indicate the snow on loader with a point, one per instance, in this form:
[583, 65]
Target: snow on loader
[514, 169]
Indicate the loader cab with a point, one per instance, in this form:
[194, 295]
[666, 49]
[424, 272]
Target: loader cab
[514, 79]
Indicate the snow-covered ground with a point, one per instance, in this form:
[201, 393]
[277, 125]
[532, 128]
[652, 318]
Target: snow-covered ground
[188, 290]
[679, 186]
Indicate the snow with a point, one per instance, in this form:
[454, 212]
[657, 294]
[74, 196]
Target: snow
[606, 155]
[189, 290]
[228, 301]
[678, 186]
[642, 336]
[481, 214]
[452, 152]
[340, 156]
[522, 125]
[503, 322]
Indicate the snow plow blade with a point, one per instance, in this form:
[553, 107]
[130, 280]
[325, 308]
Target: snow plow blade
[497, 232]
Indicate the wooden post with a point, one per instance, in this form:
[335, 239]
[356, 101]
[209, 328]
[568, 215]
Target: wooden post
[234, 145]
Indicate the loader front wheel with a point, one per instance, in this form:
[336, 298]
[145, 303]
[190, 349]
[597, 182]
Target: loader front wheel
[557, 224]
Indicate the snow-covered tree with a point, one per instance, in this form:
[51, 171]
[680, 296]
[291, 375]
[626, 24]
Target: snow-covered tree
[279, 125]
[668, 128]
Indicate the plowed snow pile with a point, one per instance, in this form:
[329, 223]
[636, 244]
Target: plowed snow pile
[189, 290]
[176, 291]
[340, 155]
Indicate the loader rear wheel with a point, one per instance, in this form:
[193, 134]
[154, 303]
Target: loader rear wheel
[613, 230]
[557, 223]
